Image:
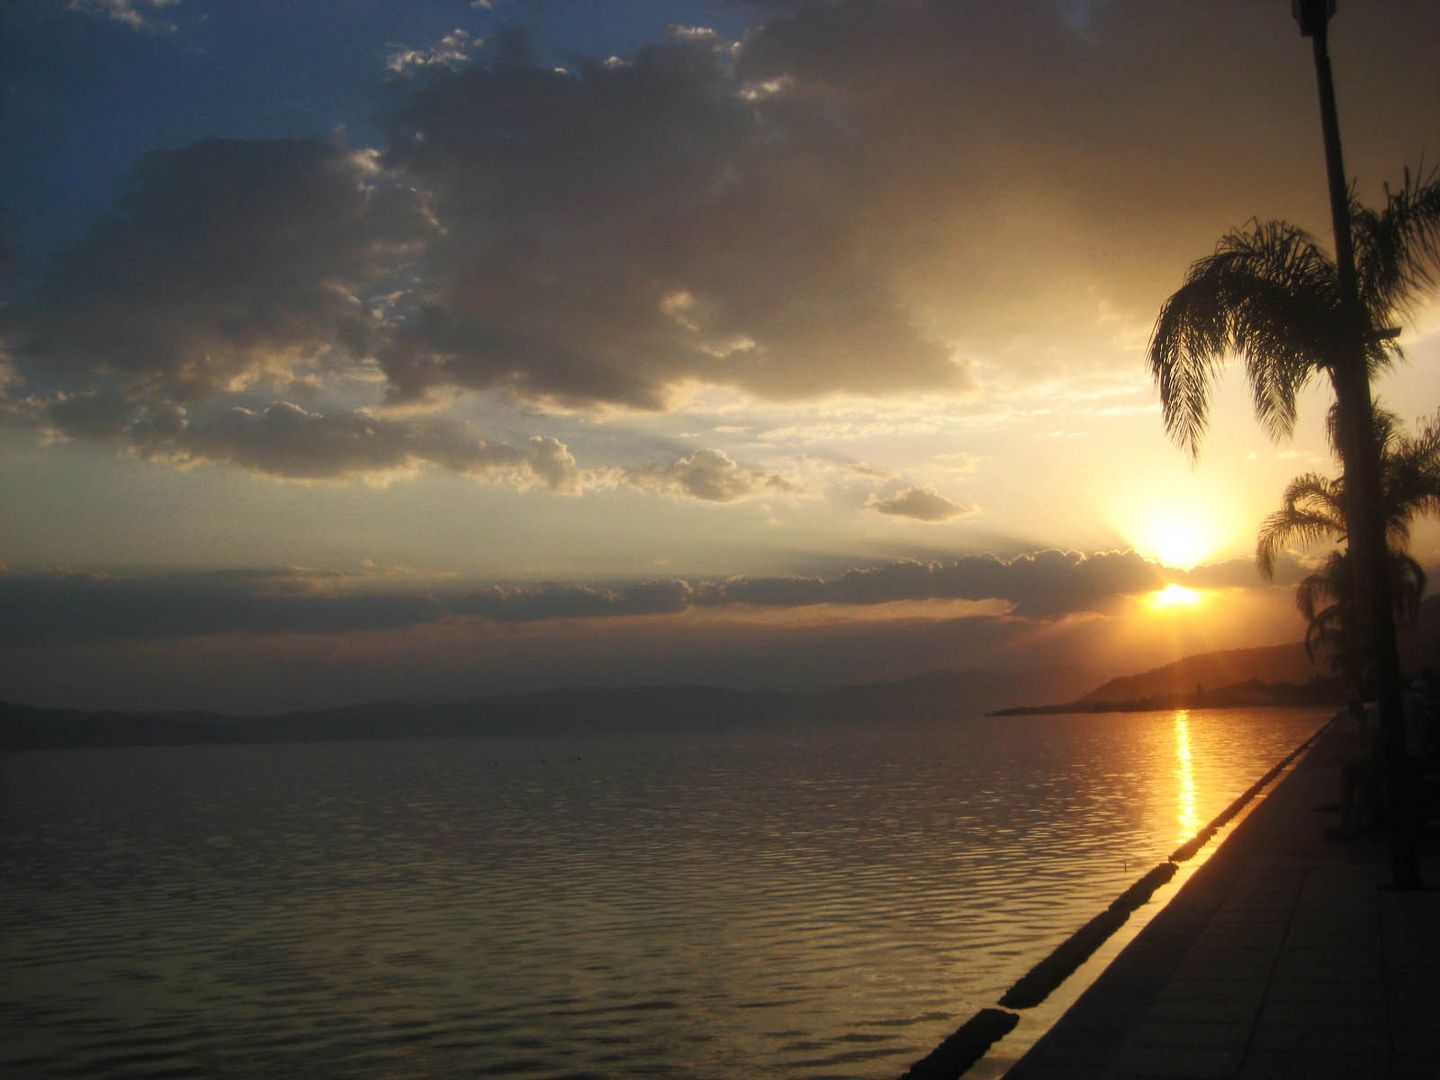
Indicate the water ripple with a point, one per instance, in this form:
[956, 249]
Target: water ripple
[812, 900]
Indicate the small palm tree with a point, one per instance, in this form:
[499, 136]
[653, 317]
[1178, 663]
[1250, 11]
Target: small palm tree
[1312, 511]
[1326, 599]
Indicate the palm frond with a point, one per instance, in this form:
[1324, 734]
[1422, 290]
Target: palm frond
[1267, 294]
[1411, 477]
[1407, 586]
[1327, 629]
[1326, 600]
[1397, 249]
[1311, 511]
[1328, 584]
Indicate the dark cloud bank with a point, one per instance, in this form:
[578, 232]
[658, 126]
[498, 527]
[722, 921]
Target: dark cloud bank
[857, 198]
[46, 609]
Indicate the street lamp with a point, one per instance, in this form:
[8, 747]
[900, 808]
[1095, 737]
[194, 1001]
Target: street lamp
[1312, 15]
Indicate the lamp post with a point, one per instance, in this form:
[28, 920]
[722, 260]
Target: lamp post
[1349, 374]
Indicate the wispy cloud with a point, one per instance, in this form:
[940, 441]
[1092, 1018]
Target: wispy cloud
[451, 51]
[709, 476]
[136, 14]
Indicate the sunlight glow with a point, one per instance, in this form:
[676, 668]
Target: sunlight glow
[1180, 539]
[1189, 817]
[1173, 596]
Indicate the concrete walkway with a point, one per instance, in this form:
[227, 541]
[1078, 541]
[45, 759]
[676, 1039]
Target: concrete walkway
[1283, 956]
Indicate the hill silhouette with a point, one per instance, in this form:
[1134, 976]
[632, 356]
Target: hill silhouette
[1210, 671]
[1269, 675]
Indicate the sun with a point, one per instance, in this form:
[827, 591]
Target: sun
[1174, 596]
[1175, 520]
[1180, 539]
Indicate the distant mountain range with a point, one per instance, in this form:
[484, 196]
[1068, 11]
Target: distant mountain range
[556, 712]
[1277, 674]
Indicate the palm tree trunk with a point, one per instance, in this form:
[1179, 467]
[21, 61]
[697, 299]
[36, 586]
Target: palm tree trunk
[1373, 606]
[1360, 457]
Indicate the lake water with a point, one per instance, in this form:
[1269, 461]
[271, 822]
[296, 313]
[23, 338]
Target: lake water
[800, 901]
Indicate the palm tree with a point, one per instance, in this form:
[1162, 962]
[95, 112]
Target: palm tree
[1272, 295]
[1326, 599]
[1313, 510]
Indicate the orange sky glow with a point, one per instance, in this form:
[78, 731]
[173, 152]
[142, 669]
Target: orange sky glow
[849, 382]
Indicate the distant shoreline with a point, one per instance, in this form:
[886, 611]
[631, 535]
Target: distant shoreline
[596, 710]
[1250, 695]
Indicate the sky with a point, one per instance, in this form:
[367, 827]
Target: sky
[424, 350]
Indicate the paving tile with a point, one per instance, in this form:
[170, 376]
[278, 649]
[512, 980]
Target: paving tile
[1228, 919]
[1066, 1059]
[1205, 1011]
[1251, 991]
[1346, 991]
[1418, 1012]
[1203, 967]
[1335, 952]
[1185, 1035]
[1348, 1014]
[1317, 1039]
[1236, 955]
[1337, 925]
[1280, 1066]
[1269, 938]
[1325, 966]
[1164, 1063]
[1417, 1042]
[1413, 1066]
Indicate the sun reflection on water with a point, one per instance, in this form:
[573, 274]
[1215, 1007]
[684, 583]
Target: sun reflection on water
[1189, 817]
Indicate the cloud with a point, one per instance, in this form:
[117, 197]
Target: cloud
[1045, 583]
[1241, 573]
[863, 198]
[867, 197]
[51, 608]
[709, 476]
[573, 601]
[285, 440]
[450, 51]
[614, 232]
[227, 264]
[136, 14]
[54, 607]
[458, 659]
[920, 503]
